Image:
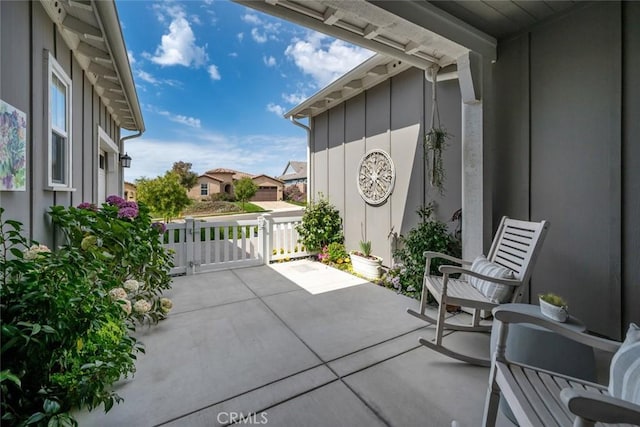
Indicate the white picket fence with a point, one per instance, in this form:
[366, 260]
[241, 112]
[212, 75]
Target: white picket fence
[200, 246]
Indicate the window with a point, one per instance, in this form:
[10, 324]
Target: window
[204, 189]
[59, 129]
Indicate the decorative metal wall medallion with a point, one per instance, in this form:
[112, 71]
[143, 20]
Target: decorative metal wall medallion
[376, 177]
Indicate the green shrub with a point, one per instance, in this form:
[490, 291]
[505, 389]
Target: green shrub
[429, 235]
[222, 197]
[321, 225]
[126, 245]
[64, 340]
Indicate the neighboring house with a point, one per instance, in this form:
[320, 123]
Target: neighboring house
[65, 66]
[543, 124]
[216, 181]
[130, 191]
[294, 173]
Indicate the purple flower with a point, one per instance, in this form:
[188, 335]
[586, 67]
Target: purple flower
[127, 213]
[160, 227]
[115, 200]
[128, 205]
[88, 206]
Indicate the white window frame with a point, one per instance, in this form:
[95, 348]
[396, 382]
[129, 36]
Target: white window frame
[54, 68]
[206, 188]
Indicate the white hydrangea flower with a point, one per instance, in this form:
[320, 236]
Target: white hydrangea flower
[141, 306]
[166, 305]
[34, 251]
[117, 293]
[131, 285]
[125, 304]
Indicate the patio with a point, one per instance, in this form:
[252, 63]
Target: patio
[342, 352]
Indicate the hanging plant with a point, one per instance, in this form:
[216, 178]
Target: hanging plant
[435, 141]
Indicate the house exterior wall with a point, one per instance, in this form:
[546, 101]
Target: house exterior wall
[26, 31]
[566, 145]
[265, 181]
[390, 116]
[214, 187]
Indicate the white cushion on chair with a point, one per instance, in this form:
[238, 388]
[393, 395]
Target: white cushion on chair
[495, 292]
[624, 376]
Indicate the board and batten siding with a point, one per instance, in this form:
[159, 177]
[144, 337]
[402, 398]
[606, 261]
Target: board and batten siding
[26, 34]
[390, 116]
[567, 103]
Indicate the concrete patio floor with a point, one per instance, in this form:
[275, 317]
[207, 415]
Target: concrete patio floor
[252, 341]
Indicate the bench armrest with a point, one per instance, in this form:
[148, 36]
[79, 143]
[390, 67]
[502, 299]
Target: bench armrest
[593, 406]
[452, 269]
[523, 313]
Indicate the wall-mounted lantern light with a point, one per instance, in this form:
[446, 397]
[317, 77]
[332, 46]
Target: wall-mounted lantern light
[125, 161]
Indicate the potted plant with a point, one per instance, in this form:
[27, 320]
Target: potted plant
[554, 307]
[364, 263]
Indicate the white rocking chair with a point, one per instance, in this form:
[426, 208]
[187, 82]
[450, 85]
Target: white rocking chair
[515, 247]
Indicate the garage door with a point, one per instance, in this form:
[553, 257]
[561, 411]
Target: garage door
[266, 194]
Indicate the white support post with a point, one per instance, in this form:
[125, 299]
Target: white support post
[266, 233]
[189, 245]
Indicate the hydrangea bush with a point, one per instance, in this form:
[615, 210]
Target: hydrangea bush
[64, 340]
[121, 235]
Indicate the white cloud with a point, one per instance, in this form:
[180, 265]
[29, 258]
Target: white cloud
[251, 18]
[132, 60]
[178, 118]
[256, 154]
[178, 46]
[324, 58]
[240, 36]
[233, 54]
[143, 75]
[257, 36]
[294, 98]
[213, 72]
[269, 61]
[276, 109]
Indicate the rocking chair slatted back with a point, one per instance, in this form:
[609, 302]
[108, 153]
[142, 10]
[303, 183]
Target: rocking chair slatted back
[515, 247]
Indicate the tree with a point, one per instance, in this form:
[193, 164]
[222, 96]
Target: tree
[164, 195]
[245, 189]
[188, 179]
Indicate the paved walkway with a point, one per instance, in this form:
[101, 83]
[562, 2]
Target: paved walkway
[252, 341]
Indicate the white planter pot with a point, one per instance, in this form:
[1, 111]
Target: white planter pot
[559, 314]
[367, 267]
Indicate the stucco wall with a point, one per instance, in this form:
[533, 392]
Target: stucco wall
[563, 150]
[214, 187]
[389, 116]
[265, 181]
[23, 85]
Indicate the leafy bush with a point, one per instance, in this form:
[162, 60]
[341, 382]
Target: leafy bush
[164, 195]
[222, 197]
[321, 225]
[64, 340]
[429, 235]
[124, 245]
[211, 207]
[244, 189]
[293, 193]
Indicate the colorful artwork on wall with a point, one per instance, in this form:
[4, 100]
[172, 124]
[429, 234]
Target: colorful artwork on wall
[13, 148]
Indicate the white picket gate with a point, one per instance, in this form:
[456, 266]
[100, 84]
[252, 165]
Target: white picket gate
[200, 246]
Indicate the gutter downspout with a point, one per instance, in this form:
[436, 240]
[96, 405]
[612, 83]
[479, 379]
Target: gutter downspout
[121, 147]
[309, 168]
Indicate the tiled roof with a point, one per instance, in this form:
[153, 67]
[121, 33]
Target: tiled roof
[300, 169]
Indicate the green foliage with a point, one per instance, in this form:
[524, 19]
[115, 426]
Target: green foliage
[126, 250]
[553, 299]
[164, 195]
[214, 208]
[365, 248]
[64, 341]
[222, 197]
[337, 253]
[188, 179]
[321, 225]
[249, 207]
[244, 189]
[435, 141]
[429, 235]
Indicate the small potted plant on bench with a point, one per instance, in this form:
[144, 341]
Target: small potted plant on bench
[364, 263]
[554, 307]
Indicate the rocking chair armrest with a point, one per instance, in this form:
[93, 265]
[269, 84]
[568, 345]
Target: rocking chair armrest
[526, 313]
[593, 406]
[431, 255]
[452, 269]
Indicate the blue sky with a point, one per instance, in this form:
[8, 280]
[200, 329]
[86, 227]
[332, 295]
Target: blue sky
[214, 78]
